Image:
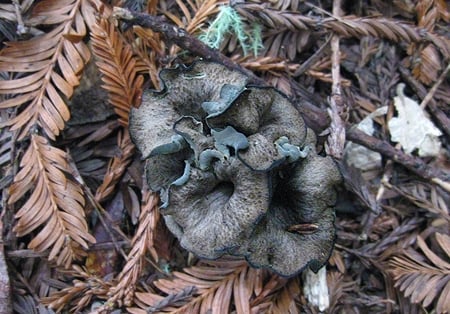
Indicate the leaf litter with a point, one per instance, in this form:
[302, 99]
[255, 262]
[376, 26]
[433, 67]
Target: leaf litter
[73, 182]
[412, 128]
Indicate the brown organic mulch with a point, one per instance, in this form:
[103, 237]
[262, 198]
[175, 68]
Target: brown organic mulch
[81, 233]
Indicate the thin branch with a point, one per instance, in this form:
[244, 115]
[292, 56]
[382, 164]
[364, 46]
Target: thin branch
[186, 41]
[421, 91]
[433, 90]
[5, 287]
[101, 212]
[21, 28]
[181, 38]
[336, 138]
[415, 164]
[313, 59]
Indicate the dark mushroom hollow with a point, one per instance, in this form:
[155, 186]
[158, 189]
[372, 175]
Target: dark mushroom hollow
[236, 169]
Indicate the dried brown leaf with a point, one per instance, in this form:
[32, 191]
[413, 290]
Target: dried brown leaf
[194, 15]
[124, 291]
[427, 65]
[270, 285]
[116, 167]
[149, 47]
[56, 203]
[193, 22]
[116, 62]
[443, 304]
[345, 26]
[284, 301]
[41, 94]
[79, 295]
[213, 281]
[424, 278]
[266, 64]
[427, 13]
[241, 294]
[422, 196]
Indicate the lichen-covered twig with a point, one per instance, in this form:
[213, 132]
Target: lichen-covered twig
[191, 43]
[181, 38]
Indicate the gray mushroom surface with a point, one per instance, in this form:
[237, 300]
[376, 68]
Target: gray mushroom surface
[236, 169]
[265, 115]
[217, 211]
[298, 229]
[151, 125]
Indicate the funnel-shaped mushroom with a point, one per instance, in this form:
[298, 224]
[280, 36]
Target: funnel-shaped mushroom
[185, 89]
[286, 246]
[216, 212]
[264, 115]
[298, 230]
[236, 169]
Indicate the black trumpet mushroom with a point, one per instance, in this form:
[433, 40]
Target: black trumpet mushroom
[236, 169]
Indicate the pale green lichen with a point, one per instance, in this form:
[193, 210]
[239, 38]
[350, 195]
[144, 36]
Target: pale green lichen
[228, 21]
[256, 38]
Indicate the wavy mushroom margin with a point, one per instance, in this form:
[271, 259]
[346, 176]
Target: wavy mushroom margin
[237, 169]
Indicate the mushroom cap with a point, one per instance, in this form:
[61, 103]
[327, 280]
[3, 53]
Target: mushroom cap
[261, 155]
[184, 91]
[264, 115]
[237, 169]
[229, 138]
[298, 229]
[286, 252]
[192, 131]
[151, 124]
[217, 210]
[162, 170]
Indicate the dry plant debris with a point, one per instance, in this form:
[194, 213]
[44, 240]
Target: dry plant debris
[82, 233]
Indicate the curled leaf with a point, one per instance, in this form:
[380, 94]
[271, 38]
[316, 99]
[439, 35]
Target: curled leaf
[412, 128]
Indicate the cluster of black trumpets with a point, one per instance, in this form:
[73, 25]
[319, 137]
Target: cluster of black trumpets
[236, 169]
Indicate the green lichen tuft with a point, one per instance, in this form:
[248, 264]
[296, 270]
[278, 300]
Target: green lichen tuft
[228, 21]
[256, 38]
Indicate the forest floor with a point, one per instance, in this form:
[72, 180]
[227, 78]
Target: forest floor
[82, 233]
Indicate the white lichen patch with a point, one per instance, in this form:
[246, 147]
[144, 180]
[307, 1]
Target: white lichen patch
[412, 128]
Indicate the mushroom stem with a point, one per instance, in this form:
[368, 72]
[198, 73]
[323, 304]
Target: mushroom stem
[315, 288]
